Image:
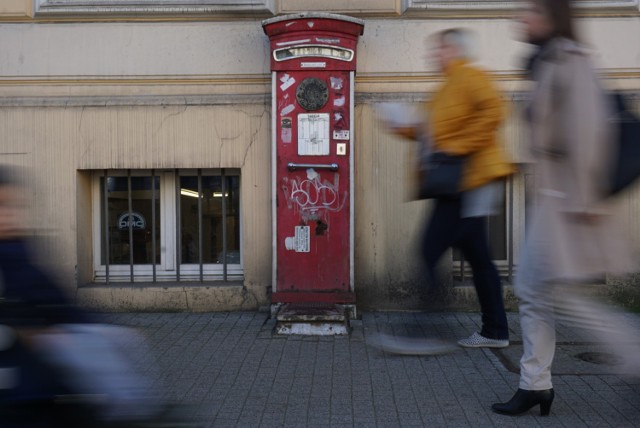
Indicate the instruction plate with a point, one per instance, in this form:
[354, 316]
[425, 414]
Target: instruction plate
[313, 134]
[300, 242]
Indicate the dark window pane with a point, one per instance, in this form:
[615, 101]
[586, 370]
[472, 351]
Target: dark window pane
[233, 220]
[212, 216]
[140, 219]
[189, 220]
[212, 219]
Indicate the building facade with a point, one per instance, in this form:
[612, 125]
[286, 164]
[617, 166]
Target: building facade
[146, 126]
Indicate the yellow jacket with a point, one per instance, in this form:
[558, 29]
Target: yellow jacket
[463, 119]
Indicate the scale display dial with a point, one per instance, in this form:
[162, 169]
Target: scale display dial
[313, 50]
[312, 94]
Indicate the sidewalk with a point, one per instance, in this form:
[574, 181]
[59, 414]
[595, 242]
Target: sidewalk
[235, 373]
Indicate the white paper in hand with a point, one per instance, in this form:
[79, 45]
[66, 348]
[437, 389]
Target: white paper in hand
[400, 115]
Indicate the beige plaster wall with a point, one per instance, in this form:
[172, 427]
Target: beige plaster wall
[197, 94]
[56, 144]
[16, 9]
[203, 49]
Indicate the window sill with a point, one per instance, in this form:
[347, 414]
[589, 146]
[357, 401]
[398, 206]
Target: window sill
[165, 284]
[171, 297]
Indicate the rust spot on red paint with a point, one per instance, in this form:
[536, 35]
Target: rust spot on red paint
[321, 227]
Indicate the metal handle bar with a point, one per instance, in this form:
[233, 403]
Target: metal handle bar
[293, 166]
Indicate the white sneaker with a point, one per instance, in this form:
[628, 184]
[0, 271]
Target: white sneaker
[476, 340]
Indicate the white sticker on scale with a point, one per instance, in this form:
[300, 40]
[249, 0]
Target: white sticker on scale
[288, 109]
[287, 81]
[339, 102]
[336, 82]
[341, 135]
[301, 241]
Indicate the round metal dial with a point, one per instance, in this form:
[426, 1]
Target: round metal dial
[312, 94]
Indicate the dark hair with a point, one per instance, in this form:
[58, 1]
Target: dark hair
[560, 13]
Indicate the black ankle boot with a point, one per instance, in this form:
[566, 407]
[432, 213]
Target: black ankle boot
[523, 400]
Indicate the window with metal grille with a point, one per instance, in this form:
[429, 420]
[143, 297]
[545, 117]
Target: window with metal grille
[167, 225]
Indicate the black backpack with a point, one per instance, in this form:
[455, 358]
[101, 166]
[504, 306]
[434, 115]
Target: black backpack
[626, 164]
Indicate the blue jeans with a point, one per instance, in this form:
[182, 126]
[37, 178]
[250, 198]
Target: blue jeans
[446, 229]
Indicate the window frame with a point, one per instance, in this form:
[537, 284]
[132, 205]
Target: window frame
[510, 5]
[167, 270]
[152, 7]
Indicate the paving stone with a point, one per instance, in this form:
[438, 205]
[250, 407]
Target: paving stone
[236, 373]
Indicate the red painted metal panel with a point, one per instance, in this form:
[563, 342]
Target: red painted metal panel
[313, 56]
[313, 222]
[313, 31]
[306, 297]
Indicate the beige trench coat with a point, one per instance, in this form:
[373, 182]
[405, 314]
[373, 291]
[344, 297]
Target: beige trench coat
[571, 142]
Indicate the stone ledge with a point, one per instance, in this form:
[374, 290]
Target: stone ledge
[620, 292]
[170, 297]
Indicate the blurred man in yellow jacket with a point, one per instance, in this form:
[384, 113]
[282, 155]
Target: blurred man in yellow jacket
[463, 119]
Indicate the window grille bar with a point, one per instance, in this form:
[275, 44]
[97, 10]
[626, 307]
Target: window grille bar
[224, 224]
[130, 203]
[200, 232]
[153, 223]
[178, 225]
[106, 224]
[510, 229]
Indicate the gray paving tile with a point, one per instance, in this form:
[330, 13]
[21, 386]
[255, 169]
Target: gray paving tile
[237, 373]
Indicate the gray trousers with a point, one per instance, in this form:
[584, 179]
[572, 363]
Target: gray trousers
[544, 303]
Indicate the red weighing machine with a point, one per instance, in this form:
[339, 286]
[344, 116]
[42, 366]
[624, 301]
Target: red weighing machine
[313, 63]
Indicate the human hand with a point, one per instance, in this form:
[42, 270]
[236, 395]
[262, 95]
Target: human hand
[587, 218]
[408, 132]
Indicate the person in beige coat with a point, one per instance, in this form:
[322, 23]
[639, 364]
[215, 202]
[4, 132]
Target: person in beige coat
[572, 235]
